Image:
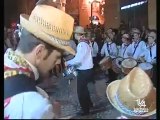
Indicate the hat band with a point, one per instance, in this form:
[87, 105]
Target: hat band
[125, 109]
[58, 41]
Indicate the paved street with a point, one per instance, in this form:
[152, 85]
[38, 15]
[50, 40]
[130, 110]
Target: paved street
[66, 94]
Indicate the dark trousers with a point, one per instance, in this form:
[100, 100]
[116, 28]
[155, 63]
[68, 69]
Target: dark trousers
[154, 77]
[112, 75]
[95, 62]
[83, 78]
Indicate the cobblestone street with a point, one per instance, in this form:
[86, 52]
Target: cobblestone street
[66, 94]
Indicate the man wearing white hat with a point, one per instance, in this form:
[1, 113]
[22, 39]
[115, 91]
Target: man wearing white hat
[150, 53]
[125, 47]
[84, 57]
[42, 41]
[138, 46]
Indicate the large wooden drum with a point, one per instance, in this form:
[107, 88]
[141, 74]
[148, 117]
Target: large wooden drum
[147, 67]
[105, 63]
[116, 64]
[128, 64]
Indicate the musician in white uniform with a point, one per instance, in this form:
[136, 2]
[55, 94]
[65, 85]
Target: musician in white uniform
[126, 46]
[95, 49]
[150, 53]
[84, 57]
[151, 47]
[138, 46]
[110, 49]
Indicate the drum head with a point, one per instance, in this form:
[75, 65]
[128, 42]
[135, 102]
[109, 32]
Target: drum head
[145, 66]
[129, 63]
[119, 61]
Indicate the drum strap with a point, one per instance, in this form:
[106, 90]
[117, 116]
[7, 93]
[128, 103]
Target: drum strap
[125, 49]
[150, 49]
[92, 43]
[136, 48]
[108, 48]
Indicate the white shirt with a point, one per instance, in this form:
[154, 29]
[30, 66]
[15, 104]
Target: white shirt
[151, 53]
[82, 56]
[94, 46]
[109, 49]
[29, 105]
[138, 49]
[124, 50]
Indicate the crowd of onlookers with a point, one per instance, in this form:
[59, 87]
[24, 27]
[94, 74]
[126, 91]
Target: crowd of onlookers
[11, 38]
[137, 43]
[99, 39]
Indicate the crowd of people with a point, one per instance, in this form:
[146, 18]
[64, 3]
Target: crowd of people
[11, 37]
[31, 53]
[133, 43]
[127, 45]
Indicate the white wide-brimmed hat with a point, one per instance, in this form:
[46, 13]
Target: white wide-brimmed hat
[79, 29]
[51, 25]
[134, 95]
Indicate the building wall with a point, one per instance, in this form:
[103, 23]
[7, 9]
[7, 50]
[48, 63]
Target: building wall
[135, 16]
[112, 14]
[72, 8]
[152, 14]
[143, 15]
[84, 12]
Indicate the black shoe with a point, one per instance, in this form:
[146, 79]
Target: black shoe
[82, 113]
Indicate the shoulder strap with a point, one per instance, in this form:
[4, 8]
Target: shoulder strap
[108, 48]
[18, 84]
[92, 43]
[135, 48]
[125, 50]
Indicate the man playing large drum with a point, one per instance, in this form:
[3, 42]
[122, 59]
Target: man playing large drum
[126, 46]
[150, 56]
[123, 53]
[109, 49]
[138, 46]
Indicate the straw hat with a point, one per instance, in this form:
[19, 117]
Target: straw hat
[50, 25]
[79, 29]
[125, 36]
[135, 30]
[124, 94]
